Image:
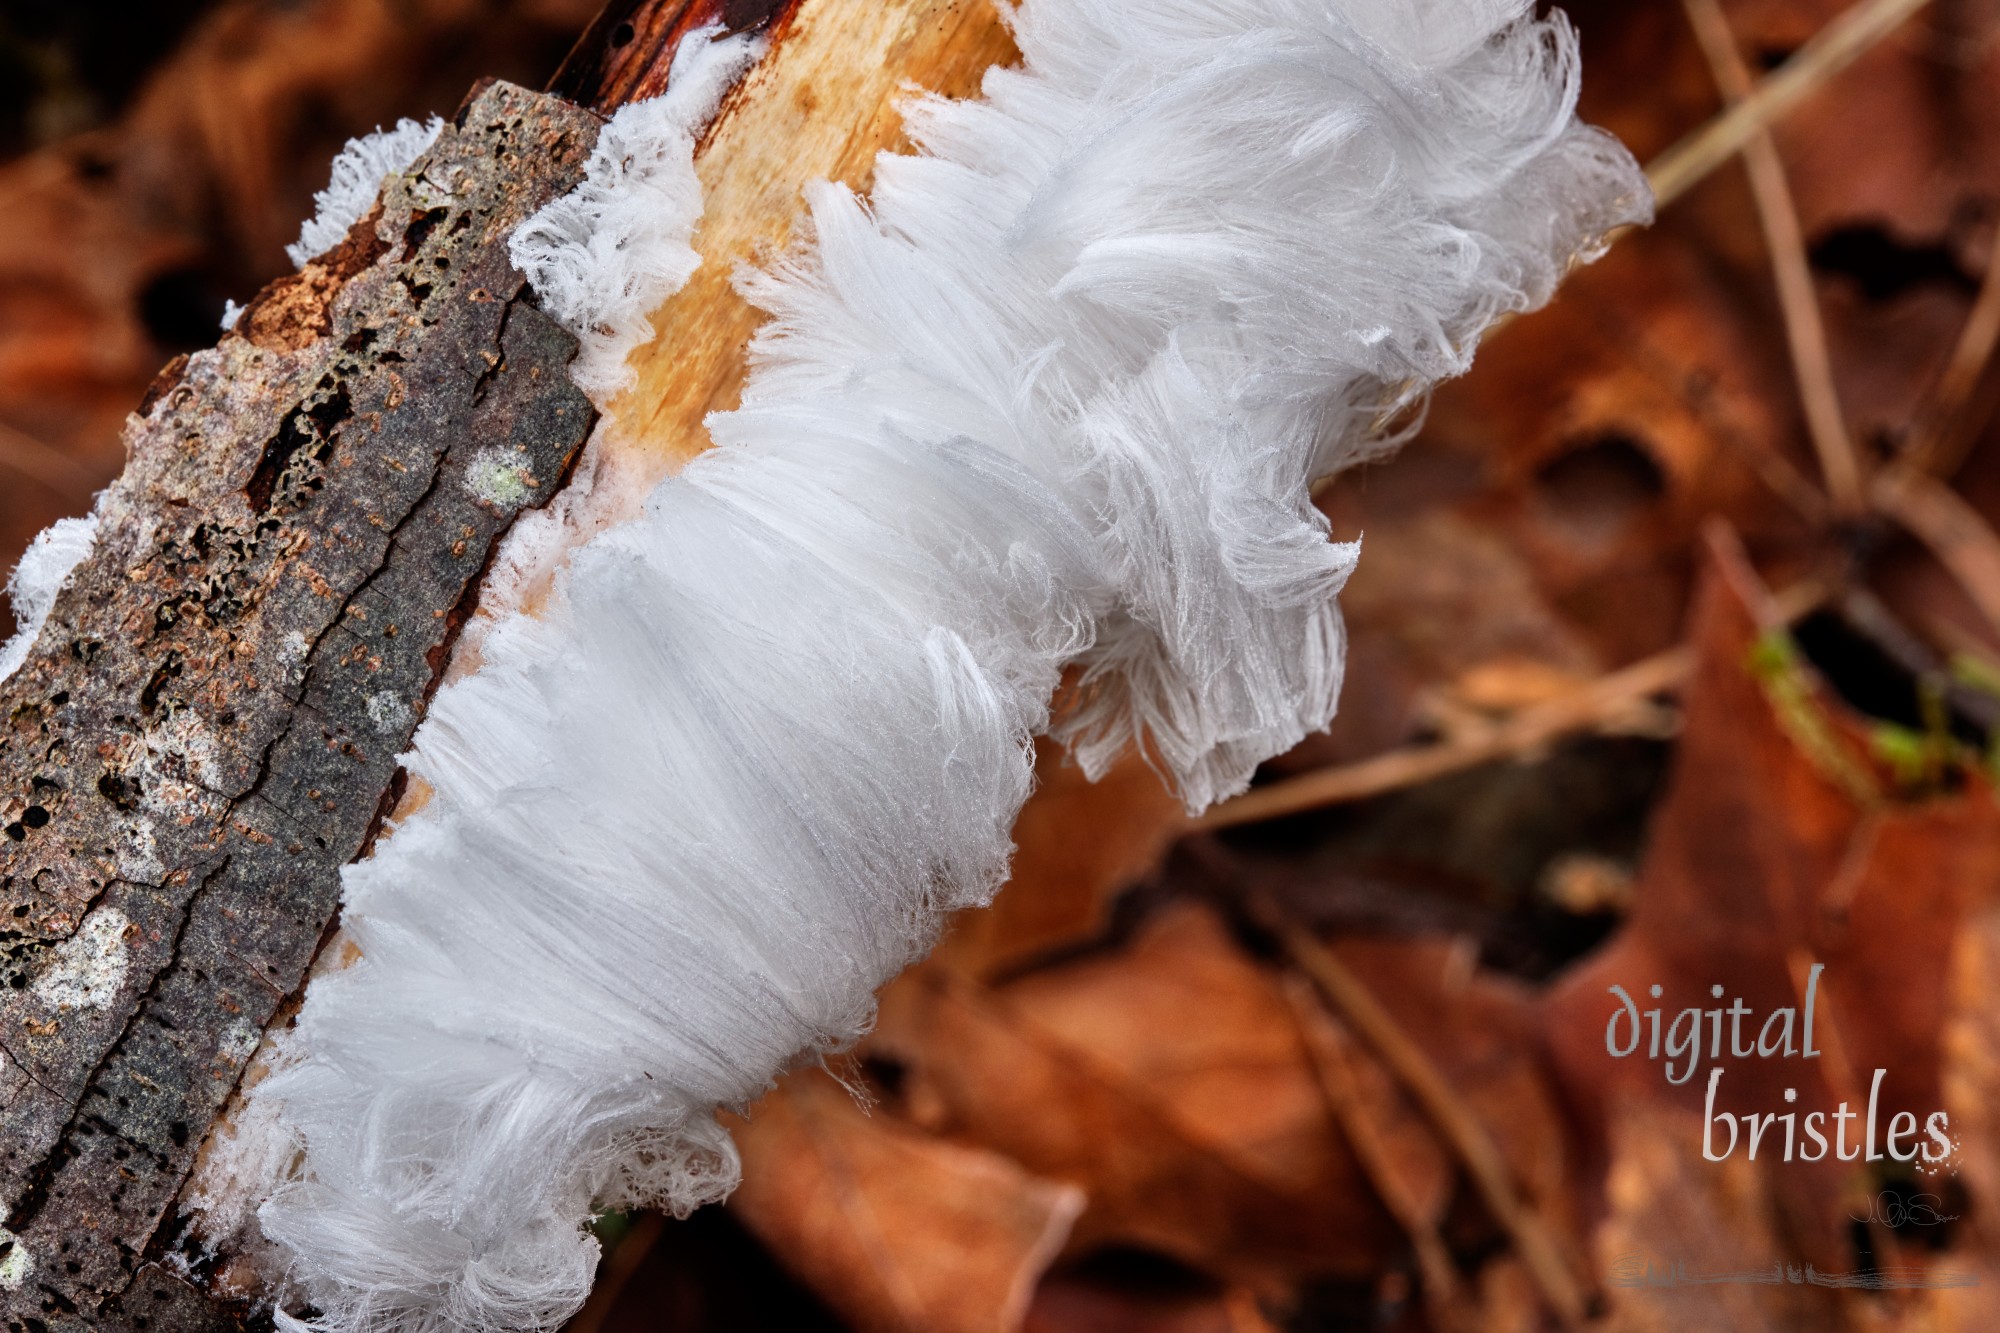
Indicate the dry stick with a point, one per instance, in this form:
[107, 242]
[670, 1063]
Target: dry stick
[1956, 533]
[1946, 424]
[1838, 1075]
[1591, 705]
[1805, 331]
[1527, 730]
[1831, 50]
[1907, 492]
[23, 453]
[1688, 162]
[1343, 1099]
[1455, 1122]
[1911, 491]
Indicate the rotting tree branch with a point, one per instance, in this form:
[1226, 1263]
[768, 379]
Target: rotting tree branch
[207, 729]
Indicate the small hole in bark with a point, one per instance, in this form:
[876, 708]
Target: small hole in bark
[621, 36]
[149, 697]
[419, 229]
[35, 816]
[17, 831]
[114, 788]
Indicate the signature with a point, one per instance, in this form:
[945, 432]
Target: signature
[1636, 1271]
[1897, 1211]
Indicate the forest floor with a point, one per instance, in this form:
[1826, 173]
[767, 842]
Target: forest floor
[1674, 661]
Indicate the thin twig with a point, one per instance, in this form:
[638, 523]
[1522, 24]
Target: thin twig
[1694, 157]
[1831, 50]
[1805, 331]
[1837, 1070]
[1460, 1128]
[1342, 1092]
[1912, 491]
[1956, 533]
[1947, 423]
[23, 453]
[1588, 706]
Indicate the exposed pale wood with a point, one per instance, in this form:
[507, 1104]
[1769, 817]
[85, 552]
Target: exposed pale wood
[820, 106]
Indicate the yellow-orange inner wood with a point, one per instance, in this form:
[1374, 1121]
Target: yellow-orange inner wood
[820, 106]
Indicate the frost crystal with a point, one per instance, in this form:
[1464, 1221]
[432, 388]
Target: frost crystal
[1056, 396]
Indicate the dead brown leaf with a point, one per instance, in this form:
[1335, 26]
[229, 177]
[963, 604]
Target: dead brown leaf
[1077, 844]
[1166, 1080]
[1069, 1305]
[900, 1232]
[1766, 855]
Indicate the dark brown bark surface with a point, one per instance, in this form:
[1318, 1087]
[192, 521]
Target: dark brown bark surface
[628, 50]
[207, 728]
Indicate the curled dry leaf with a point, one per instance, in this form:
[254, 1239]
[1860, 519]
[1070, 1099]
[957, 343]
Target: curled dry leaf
[1781, 842]
[1077, 844]
[1170, 1079]
[1066, 1305]
[840, 1196]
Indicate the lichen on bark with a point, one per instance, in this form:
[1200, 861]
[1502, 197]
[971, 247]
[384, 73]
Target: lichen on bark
[207, 728]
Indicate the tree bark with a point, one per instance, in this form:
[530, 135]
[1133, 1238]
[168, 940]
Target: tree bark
[208, 725]
[206, 730]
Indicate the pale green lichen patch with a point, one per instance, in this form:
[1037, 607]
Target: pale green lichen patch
[498, 477]
[139, 855]
[15, 1261]
[240, 1040]
[90, 965]
[387, 711]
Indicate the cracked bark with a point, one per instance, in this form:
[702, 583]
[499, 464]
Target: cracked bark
[206, 729]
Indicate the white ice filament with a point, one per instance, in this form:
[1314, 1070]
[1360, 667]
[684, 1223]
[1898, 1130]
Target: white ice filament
[1056, 395]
